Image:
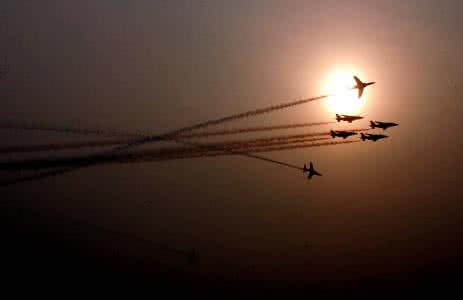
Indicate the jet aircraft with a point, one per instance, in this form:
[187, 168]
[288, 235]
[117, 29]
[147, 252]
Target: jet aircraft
[372, 137]
[347, 118]
[361, 85]
[191, 256]
[382, 125]
[310, 172]
[342, 134]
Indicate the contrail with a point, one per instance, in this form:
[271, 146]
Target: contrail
[248, 152]
[291, 147]
[203, 125]
[56, 147]
[251, 113]
[247, 114]
[112, 133]
[251, 129]
[93, 159]
[37, 176]
[46, 174]
[66, 146]
[67, 130]
[261, 140]
[168, 135]
[89, 144]
[270, 143]
[276, 138]
[147, 155]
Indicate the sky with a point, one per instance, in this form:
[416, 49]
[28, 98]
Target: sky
[389, 209]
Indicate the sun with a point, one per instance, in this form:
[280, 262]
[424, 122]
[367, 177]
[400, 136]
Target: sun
[344, 99]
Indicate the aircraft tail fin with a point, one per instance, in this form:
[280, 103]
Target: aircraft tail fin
[333, 134]
[372, 125]
[362, 136]
[305, 169]
[338, 117]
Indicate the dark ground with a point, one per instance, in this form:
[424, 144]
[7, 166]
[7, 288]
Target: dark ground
[53, 251]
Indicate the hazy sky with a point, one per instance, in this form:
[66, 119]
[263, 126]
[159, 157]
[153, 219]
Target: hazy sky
[159, 65]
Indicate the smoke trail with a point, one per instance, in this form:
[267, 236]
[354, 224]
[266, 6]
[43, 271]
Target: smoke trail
[201, 125]
[270, 143]
[112, 133]
[68, 130]
[251, 113]
[56, 147]
[153, 158]
[251, 129]
[51, 147]
[81, 161]
[271, 138]
[312, 145]
[147, 155]
[71, 146]
[261, 140]
[247, 114]
[37, 176]
[248, 152]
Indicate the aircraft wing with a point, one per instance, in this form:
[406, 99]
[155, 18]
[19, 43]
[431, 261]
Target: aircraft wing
[360, 92]
[357, 80]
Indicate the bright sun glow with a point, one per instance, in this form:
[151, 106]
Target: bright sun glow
[344, 99]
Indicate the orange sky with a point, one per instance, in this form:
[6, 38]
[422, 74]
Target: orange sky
[156, 66]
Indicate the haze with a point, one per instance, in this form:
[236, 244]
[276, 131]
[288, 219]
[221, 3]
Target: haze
[390, 209]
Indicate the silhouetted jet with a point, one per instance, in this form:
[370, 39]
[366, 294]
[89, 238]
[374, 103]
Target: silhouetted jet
[310, 172]
[372, 137]
[382, 125]
[191, 256]
[347, 118]
[342, 134]
[361, 85]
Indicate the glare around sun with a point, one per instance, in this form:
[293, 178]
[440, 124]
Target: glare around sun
[344, 99]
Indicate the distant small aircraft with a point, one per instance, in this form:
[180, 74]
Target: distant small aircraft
[342, 134]
[191, 256]
[347, 118]
[372, 137]
[310, 172]
[382, 125]
[361, 85]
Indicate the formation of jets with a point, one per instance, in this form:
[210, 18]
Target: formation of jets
[382, 125]
[342, 134]
[310, 172]
[347, 118]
